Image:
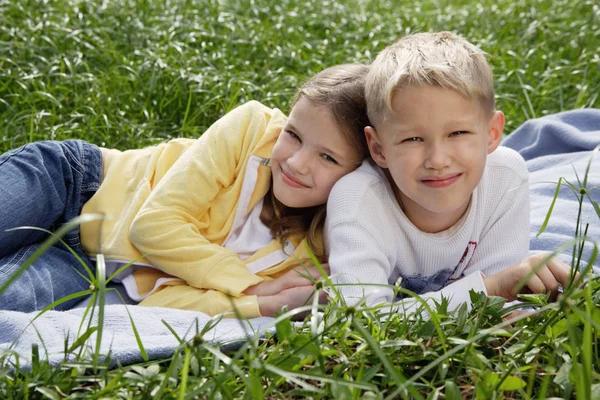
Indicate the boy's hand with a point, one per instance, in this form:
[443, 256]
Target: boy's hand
[546, 278]
[291, 279]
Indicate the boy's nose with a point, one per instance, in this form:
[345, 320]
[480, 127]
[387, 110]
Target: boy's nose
[437, 157]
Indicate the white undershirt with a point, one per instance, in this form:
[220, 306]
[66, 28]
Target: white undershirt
[251, 236]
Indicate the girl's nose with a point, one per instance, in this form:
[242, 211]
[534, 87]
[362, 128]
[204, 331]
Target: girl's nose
[299, 162]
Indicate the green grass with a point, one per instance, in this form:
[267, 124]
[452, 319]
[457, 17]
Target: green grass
[130, 73]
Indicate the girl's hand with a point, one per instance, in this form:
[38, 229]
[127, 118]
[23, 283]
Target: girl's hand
[546, 278]
[298, 277]
[292, 298]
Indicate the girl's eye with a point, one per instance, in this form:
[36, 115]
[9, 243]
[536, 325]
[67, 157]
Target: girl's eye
[458, 133]
[293, 136]
[328, 158]
[412, 139]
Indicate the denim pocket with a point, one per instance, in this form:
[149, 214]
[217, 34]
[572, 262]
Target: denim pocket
[10, 263]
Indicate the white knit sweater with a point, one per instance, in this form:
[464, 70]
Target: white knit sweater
[371, 241]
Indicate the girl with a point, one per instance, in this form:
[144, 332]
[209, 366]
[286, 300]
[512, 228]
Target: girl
[207, 222]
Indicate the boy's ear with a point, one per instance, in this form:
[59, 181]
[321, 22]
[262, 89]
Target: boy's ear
[375, 148]
[495, 129]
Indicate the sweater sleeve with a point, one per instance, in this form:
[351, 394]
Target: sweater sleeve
[358, 264]
[457, 294]
[358, 241]
[167, 228]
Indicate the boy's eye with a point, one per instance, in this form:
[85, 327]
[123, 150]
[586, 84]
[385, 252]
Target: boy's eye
[458, 133]
[328, 158]
[412, 139]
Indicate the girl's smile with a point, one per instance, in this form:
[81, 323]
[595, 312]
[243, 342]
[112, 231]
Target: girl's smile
[291, 181]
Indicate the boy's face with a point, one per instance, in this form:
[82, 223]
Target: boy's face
[434, 143]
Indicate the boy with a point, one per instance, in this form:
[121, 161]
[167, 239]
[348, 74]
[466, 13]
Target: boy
[447, 204]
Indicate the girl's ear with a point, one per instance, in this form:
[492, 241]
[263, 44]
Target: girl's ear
[375, 148]
[495, 129]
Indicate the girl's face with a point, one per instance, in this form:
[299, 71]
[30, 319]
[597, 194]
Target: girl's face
[310, 156]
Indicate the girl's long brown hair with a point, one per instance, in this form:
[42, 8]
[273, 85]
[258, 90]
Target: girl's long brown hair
[340, 89]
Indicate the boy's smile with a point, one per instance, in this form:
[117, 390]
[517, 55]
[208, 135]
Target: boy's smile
[441, 181]
[435, 144]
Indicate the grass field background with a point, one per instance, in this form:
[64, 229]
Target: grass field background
[126, 74]
[129, 73]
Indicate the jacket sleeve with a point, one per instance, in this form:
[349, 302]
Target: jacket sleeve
[167, 228]
[211, 302]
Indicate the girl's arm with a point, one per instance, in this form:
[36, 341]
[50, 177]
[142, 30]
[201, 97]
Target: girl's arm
[211, 302]
[293, 289]
[167, 228]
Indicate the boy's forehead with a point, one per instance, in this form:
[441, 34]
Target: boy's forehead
[416, 104]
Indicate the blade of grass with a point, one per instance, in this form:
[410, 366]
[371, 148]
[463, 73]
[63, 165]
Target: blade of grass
[550, 209]
[397, 376]
[101, 290]
[46, 244]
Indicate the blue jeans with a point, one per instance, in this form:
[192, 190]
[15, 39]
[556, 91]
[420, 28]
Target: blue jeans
[44, 184]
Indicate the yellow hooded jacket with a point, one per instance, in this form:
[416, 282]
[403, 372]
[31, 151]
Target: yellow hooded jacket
[172, 206]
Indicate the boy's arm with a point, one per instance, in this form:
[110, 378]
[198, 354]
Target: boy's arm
[167, 228]
[359, 266]
[538, 273]
[359, 239]
[457, 293]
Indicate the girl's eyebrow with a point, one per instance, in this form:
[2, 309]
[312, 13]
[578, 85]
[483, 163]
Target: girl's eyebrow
[289, 126]
[324, 149]
[338, 157]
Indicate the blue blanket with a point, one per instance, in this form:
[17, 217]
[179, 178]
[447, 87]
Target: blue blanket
[553, 146]
[54, 327]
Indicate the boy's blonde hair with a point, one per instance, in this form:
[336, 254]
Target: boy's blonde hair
[428, 59]
[341, 90]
